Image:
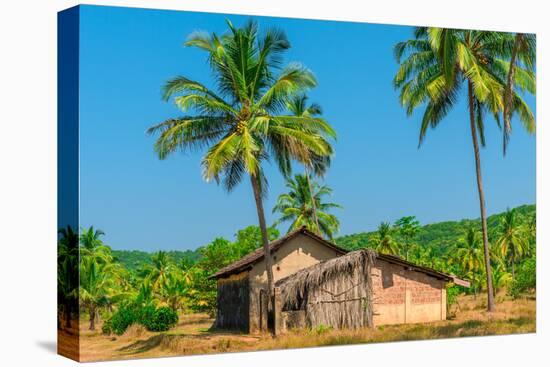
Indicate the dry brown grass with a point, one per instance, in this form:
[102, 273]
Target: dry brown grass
[192, 334]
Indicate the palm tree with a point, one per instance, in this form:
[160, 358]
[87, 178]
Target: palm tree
[383, 241]
[92, 245]
[97, 286]
[158, 271]
[173, 291]
[501, 278]
[524, 49]
[433, 68]
[468, 254]
[299, 205]
[511, 241]
[298, 107]
[67, 272]
[242, 125]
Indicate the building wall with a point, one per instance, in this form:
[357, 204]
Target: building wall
[298, 253]
[405, 296]
[233, 302]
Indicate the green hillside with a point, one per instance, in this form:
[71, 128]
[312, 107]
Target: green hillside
[133, 259]
[437, 236]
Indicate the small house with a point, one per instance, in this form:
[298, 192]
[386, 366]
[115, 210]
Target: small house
[242, 285]
[362, 289]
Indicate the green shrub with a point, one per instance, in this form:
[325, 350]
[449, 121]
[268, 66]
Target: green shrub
[525, 279]
[125, 316]
[152, 318]
[160, 319]
[452, 295]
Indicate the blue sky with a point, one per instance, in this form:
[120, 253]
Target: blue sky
[378, 174]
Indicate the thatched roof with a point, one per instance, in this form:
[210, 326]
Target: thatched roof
[295, 286]
[247, 261]
[315, 275]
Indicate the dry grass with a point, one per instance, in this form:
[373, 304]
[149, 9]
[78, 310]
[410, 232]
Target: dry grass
[192, 334]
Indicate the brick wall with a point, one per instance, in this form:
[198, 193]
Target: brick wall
[406, 296]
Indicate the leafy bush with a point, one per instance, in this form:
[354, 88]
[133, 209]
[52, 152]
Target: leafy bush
[152, 318]
[452, 295]
[526, 278]
[125, 316]
[160, 319]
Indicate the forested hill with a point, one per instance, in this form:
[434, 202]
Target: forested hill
[438, 236]
[133, 259]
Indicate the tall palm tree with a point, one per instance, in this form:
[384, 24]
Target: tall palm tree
[511, 240]
[436, 64]
[298, 107]
[243, 124]
[299, 205]
[383, 240]
[524, 50]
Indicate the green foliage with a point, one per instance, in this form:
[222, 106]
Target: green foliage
[126, 315]
[151, 317]
[304, 205]
[526, 278]
[322, 329]
[134, 260]
[159, 319]
[452, 295]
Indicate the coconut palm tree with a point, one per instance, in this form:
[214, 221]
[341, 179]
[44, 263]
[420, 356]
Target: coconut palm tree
[524, 50]
[434, 67]
[67, 272]
[303, 199]
[511, 241]
[243, 123]
[92, 245]
[173, 291]
[383, 241]
[299, 107]
[97, 286]
[158, 271]
[501, 278]
[469, 254]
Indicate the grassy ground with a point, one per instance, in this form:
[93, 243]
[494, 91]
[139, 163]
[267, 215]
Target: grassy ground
[192, 335]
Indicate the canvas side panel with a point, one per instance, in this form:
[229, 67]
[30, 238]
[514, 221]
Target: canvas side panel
[68, 182]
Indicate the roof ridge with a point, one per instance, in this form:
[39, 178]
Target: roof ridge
[258, 254]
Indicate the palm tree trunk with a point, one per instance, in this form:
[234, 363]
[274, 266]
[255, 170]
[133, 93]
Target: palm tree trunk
[313, 204]
[265, 240]
[490, 298]
[68, 315]
[509, 91]
[92, 318]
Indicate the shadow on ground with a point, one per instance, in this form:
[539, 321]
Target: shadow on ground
[48, 345]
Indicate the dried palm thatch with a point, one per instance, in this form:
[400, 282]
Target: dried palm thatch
[336, 293]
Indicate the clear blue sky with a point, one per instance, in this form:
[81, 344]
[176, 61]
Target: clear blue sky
[378, 174]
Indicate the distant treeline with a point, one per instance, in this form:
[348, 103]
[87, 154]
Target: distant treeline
[439, 237]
